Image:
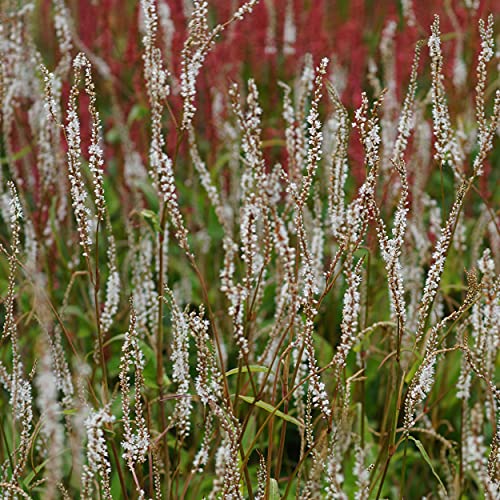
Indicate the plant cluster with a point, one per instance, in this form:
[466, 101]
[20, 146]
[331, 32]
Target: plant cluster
[224, 282]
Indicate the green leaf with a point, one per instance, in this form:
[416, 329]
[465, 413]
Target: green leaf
[29, 478]
[112, 136]
[110, 432]
[274, 491]
[221, 161]
[271, 409]
[73, 310]
[323, 349]
[70, 411]
[16, 156]
[426, 457]
[120, 336]
[246, 369]
[149, 371]
[150, 193]
[413, 369]
[138, 112]
[152, 219]
[249, 433]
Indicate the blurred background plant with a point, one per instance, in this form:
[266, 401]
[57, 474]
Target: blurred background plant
[250, 250]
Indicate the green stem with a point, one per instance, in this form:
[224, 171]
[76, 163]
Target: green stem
[403, 471]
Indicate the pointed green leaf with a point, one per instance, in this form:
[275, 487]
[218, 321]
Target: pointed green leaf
[271, 409]
[274, 491]
[426, 457]
[70, 411]
[152, 219]
[246, 369]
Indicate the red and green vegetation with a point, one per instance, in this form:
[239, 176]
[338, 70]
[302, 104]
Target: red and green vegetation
[249, 250]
